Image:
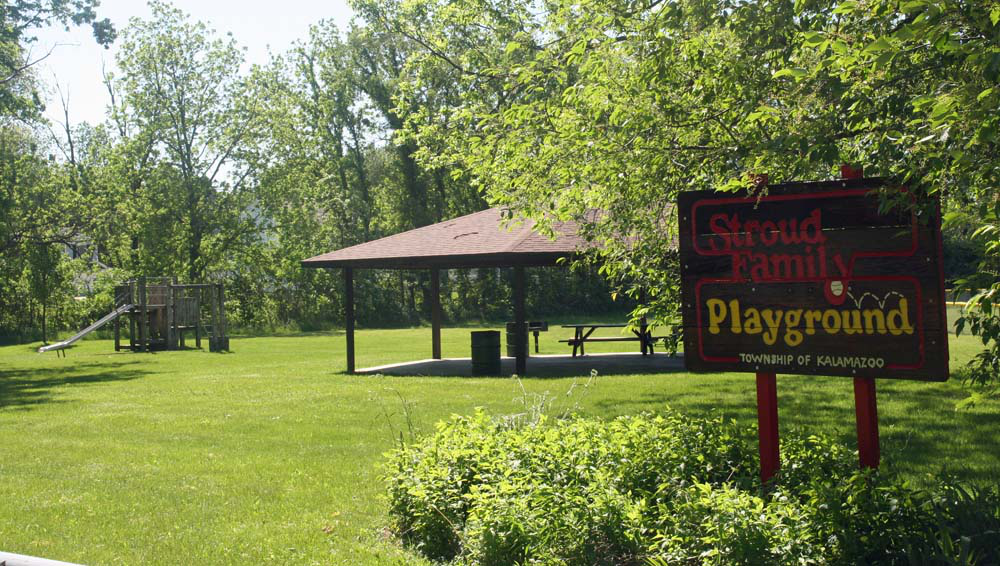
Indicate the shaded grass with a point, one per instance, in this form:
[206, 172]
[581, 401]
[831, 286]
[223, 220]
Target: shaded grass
[271, 453]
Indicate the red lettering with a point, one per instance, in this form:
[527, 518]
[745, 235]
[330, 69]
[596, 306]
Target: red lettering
[734, 225]
[814, 222]
[739, 264]
[786, 266]
[760, 270]
[789, 231]
[729, 235]
[749, 227]
[768, 233]
[720, 224]
[845, 270]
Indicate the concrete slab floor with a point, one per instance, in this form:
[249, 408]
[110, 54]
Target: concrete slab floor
[619, 363]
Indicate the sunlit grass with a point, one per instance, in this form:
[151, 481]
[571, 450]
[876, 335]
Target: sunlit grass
[270, 454]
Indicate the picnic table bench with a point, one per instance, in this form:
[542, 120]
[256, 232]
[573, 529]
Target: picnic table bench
[582, 333]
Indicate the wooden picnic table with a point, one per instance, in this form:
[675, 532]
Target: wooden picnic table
[582, 334]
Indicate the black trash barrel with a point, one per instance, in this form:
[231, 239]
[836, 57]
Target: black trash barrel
[486, 352]
[512, 339]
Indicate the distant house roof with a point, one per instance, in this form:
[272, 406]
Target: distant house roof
[475, 240]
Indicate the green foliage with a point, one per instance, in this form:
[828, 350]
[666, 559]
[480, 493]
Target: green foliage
[719, 524]
[19, 19]
[603, 106]
[460, 491]
[207, 172]
[424, 110]
[619, 106]
[981, 314]
[183, 94]
[37, 269]
[664, 489]
[963, 254]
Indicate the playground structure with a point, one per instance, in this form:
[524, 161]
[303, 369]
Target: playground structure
[159, 312]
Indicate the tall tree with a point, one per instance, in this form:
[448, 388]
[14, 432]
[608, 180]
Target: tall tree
[18, 21]
[571, 108]
[914, 89]
[602, 104]
[183, 89]
[35, 231]
[340, 117]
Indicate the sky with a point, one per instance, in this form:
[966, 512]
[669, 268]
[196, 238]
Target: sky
[262, 26]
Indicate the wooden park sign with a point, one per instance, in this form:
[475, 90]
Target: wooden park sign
[812, 278]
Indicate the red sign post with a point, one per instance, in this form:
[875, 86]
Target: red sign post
[865, 406]
[767, 425]
[812, 278]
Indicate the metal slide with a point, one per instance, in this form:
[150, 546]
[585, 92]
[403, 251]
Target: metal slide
[107, 318]
[10, 559]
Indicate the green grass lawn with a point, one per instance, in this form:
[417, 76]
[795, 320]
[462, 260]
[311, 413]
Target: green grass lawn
[271, 454]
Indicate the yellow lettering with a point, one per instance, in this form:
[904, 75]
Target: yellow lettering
[831, 321]
[852, 326]
[793, 336]
[902, 315]
[751, 321]
[874, 321]
[812, 317]
[794, 325]
[773, 320]
[716, 314]
[734, 316]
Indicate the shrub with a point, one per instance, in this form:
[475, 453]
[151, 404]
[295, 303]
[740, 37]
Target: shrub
[545, 525]
[709, 524]
[429, 482]
[666, 489]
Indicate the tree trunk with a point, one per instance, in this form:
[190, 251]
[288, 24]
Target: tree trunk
[363, 184]
[194, 253]
[195, 225]
[416, 189]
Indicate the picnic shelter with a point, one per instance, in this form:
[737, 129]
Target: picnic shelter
[478, 240]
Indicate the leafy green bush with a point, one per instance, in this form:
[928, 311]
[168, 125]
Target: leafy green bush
[666, 489]
[434, 485]
[719, 524]
[981, 314]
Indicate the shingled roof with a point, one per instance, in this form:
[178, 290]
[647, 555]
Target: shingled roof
[475, 240]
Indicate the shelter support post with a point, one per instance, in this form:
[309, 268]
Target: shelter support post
[197, 320]
[143, 317]
[645, 346]
[132, 344]
[866, 412]
[214, 307]
[767, 425]
[436, 314]
[520, 323]
[222, 318]
[349, 316]
[171, 314]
